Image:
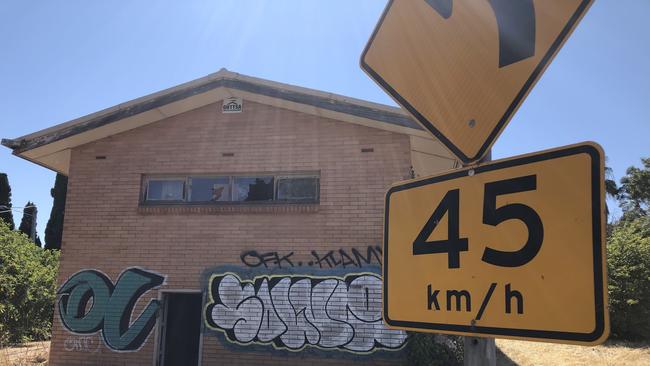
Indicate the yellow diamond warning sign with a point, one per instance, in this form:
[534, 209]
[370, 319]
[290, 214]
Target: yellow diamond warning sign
[462, 68]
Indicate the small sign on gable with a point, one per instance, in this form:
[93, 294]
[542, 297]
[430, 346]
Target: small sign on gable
[232, 105]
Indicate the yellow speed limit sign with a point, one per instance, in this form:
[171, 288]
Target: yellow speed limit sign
[511, 249]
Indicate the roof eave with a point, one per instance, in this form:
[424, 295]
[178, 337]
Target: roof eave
[30, 147]
[11, 143]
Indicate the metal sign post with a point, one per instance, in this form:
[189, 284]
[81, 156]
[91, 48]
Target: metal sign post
[480, 351]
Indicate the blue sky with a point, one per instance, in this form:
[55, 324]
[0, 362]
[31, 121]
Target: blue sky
[63, 59]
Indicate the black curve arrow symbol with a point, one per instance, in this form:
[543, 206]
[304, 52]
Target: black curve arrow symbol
[516, 23]
[443, 7]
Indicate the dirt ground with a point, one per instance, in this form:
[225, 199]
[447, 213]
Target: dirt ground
[34, 353]
[510, 353]
[543, 354]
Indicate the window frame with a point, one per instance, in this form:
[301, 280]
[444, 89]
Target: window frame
[146, 190]
[207, 176]
[233, 178]
[278, 178]
[187, 188]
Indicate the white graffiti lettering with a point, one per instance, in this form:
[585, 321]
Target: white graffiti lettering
[292, 312]
[89, 344]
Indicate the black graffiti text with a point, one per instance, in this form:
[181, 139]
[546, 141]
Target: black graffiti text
[344, 257]
[253, 258]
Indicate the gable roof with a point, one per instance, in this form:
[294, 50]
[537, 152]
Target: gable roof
[51, 147]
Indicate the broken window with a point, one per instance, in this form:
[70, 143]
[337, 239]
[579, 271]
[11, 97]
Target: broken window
[209, 189]
[250, 189]
[224, 189]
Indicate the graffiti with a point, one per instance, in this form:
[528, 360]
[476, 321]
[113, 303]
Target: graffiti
[330, 259]
[82, 344]
[292, 312]
[111, 308]
[254, 259]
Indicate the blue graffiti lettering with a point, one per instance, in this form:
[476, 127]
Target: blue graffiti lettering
[112, 306]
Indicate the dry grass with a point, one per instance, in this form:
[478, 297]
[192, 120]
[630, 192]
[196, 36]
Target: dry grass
[542, 354]
[34, 353]
[511, 353]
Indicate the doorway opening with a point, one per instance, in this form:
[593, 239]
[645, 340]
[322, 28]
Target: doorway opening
[180, 329]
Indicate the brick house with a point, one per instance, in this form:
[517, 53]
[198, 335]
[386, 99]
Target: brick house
[228, 220]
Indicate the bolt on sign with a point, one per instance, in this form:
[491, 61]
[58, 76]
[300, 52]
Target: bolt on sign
[514, 249]
[462, 68]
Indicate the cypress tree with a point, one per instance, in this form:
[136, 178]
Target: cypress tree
[5, 201]
[29, 218]
[54, 228]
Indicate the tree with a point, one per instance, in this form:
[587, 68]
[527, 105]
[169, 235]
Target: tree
[628, 255]
[54, 228]
[611, 189]
[27, 288]
[635, 191]
[628, 269]
[28, 222]
[5, 202]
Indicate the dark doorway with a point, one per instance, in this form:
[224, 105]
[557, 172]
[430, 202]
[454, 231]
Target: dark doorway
[181, 329]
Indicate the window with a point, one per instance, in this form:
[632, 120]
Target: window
[169, 189]
[232, 189]
[253, 189]
[206, 189]
[297, 189]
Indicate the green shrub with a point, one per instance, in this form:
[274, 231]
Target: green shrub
[424, 349]
[628, 266]
[27, 288]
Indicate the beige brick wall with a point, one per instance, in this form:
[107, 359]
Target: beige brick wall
[106, 230]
